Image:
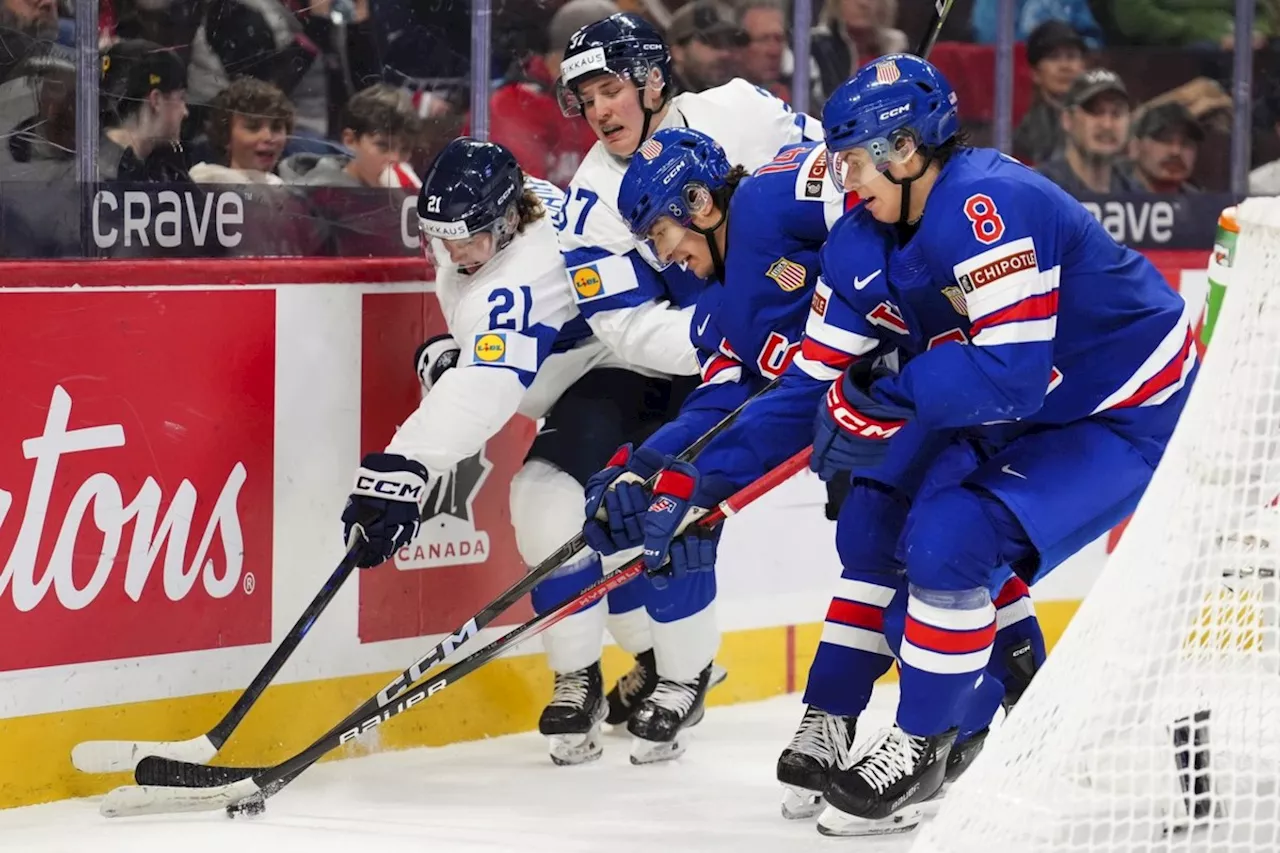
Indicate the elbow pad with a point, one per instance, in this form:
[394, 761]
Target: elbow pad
[433, 358]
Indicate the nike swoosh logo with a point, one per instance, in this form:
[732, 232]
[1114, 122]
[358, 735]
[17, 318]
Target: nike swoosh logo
[703, 327]
[859, 283]
[1012, 473]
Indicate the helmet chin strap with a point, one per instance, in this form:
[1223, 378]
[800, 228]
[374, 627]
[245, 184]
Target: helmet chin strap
[709, 234]
[905, 183]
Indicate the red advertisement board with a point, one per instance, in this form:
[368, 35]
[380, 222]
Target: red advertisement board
[465, 553]
[135, 473]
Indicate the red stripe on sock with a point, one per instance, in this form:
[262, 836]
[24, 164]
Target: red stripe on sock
[857, 614]
[934, 639]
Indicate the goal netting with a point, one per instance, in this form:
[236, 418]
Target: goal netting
[1155, 724]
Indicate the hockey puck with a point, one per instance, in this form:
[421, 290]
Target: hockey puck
[251, 807]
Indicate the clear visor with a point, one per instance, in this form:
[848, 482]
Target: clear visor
[572, 102]
[453, 245]
[659, 244]
[853, 168]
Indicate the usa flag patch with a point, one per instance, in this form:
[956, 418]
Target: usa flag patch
[663, 504]
[788, 274]
[650, 149]
[887, 72]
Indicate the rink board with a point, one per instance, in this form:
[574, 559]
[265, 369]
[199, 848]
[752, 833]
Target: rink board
[178, 443]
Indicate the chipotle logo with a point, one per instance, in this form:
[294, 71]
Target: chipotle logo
[135, 474]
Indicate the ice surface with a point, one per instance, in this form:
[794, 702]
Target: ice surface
[495, 796]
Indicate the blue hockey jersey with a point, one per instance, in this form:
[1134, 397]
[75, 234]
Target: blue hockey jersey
[747, 328]
[1010, 307]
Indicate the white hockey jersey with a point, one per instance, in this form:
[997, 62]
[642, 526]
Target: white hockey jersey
[522, 344]
[641, 313]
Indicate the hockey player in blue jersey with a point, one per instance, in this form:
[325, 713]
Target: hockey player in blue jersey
[616, 76]
[1043, 369]
[759, 239]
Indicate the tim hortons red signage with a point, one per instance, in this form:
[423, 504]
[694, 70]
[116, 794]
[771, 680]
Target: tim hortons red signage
[135, 474]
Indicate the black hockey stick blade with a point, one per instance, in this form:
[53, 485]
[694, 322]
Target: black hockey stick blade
[111, 756]
[181, 770]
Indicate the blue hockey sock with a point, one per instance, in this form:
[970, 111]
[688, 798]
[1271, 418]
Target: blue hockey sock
[853, 652]
[946, 644]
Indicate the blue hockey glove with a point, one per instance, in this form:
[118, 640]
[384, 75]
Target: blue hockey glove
[852, 430]
[675, 497]
[385, 507]
[618, 491]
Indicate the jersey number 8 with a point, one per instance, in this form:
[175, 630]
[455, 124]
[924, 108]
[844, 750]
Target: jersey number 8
[988, 227]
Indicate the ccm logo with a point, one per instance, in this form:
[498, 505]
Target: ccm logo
[390, 488]
[896, 111]
[855, 422]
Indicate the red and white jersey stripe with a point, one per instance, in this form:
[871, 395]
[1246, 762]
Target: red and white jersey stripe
[1010, 300]
[945, 641]
[855, 618]
[1162, 374]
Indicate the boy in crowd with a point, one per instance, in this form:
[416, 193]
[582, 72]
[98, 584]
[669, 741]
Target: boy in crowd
[378, 127]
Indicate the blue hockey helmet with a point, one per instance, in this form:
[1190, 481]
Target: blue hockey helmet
[472, 188]
[672, 174]
[896, 95]
[622, 44]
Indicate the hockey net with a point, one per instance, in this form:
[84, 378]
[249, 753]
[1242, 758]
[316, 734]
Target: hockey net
[1155, 724]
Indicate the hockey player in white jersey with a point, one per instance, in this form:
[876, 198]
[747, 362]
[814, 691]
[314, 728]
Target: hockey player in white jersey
[516, 345]
[616, 75]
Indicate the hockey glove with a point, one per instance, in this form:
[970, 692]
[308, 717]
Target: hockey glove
[618, 491]
[385, 507]
[675, 506]
[852, 430]
[433, 358]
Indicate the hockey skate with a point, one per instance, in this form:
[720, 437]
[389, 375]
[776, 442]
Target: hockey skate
[571, 720]
[884, 791]
[822, 741]
[632, 688]
[656, 723]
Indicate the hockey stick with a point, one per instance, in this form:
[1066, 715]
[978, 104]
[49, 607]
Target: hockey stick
[113, 756]
[179, 768]
[155, 799]
[941, 8]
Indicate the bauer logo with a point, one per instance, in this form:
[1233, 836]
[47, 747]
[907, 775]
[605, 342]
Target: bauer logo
[136, 475]
[586, 282]
[448, 535]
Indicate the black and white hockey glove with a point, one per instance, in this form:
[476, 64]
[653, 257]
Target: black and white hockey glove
[385, 507]
[433, 358]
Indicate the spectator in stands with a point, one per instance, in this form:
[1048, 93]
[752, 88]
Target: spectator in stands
[851, 33]
[704, 37]
[247, 125]
[1165, 141]
[523, 112]
[1030, 14]
[1187, 23]
[27, 28]
[1095, 117]
[765, 23]
[378, 127]
[144, 100]
[1055, 52]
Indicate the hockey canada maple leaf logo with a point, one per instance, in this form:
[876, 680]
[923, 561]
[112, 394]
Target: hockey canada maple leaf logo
[448, 536]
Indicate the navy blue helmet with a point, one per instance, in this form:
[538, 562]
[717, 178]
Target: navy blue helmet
[663, 177]
[622, 44]
[471, 188]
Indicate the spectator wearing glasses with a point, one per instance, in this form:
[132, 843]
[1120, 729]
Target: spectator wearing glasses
[704, 37]
[1165, 142]
[761, 60]
[1056, 54]
[1095, 118]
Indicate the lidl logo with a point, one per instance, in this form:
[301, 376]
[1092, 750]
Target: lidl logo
[491, 348]
[586, 281]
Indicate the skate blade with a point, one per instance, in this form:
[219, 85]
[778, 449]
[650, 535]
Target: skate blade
[801, 803]
[653, 752]
[718, 675]
[572, 749]
[836, 823]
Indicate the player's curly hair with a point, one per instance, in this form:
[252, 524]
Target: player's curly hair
[530, 208]
[722, 195]
[947, 150]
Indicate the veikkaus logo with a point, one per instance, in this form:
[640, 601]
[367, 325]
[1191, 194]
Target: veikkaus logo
[100, 498]
[448, 535]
